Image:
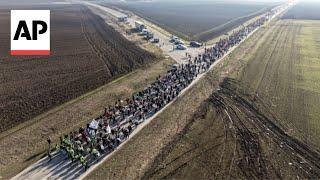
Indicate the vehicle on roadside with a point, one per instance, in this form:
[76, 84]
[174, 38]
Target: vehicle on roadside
[149, 36]
[195, 44]
[123, 19]
[173, 39]
[175, 66]
[181, 47]
[144, 32]
[178, 42]
[155, 40]
[139, 26]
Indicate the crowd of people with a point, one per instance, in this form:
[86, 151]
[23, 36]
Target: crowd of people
[114, 126]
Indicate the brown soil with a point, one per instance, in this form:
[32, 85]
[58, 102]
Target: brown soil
[86, 53]
[230, 137]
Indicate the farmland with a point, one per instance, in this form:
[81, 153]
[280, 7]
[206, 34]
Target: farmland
[86, 54]
[23, 145]
[260, 121]
[304, 10]
[170, 124]
[202, 21]
[254, 115]
[268, 112]
[287, 77]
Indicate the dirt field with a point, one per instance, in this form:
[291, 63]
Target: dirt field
[260, 123]
[231, 138]
[86, 54]
[200, 21]
[304, 10]
[26, 143]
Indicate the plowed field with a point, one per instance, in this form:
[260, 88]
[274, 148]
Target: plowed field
[86, 53]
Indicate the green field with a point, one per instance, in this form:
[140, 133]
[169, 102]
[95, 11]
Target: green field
[284, 72]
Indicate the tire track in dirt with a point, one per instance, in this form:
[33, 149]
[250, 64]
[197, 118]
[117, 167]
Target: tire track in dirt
[224, 146]
[270, 58]
[290, 144]
[293, 92]
[235, 143]
[182, 160]
[276, 86]
[97, 50]
[249, 142]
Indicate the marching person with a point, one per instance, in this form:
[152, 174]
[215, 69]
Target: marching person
[107, 134]
[49, 149]
[84, 162]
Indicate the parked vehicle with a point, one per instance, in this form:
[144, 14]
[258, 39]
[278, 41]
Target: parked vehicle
[144, 32]
[155, 40]
[149, 36]
[181, 47]
[173, 39]
[178, 42]
[123, 19]
[139, 25]
[195, 44]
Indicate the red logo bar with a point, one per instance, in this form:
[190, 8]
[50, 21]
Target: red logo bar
[30, 52]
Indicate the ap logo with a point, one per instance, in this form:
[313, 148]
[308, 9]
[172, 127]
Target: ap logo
[30, 32]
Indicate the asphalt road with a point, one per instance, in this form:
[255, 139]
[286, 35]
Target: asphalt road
[168, 48]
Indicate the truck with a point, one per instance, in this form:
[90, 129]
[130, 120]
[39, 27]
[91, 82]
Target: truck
[139, 25]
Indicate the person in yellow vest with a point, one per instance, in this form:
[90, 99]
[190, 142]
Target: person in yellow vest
[84, 162]
[95, 152]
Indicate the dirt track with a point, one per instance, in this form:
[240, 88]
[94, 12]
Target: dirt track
[229, 101]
